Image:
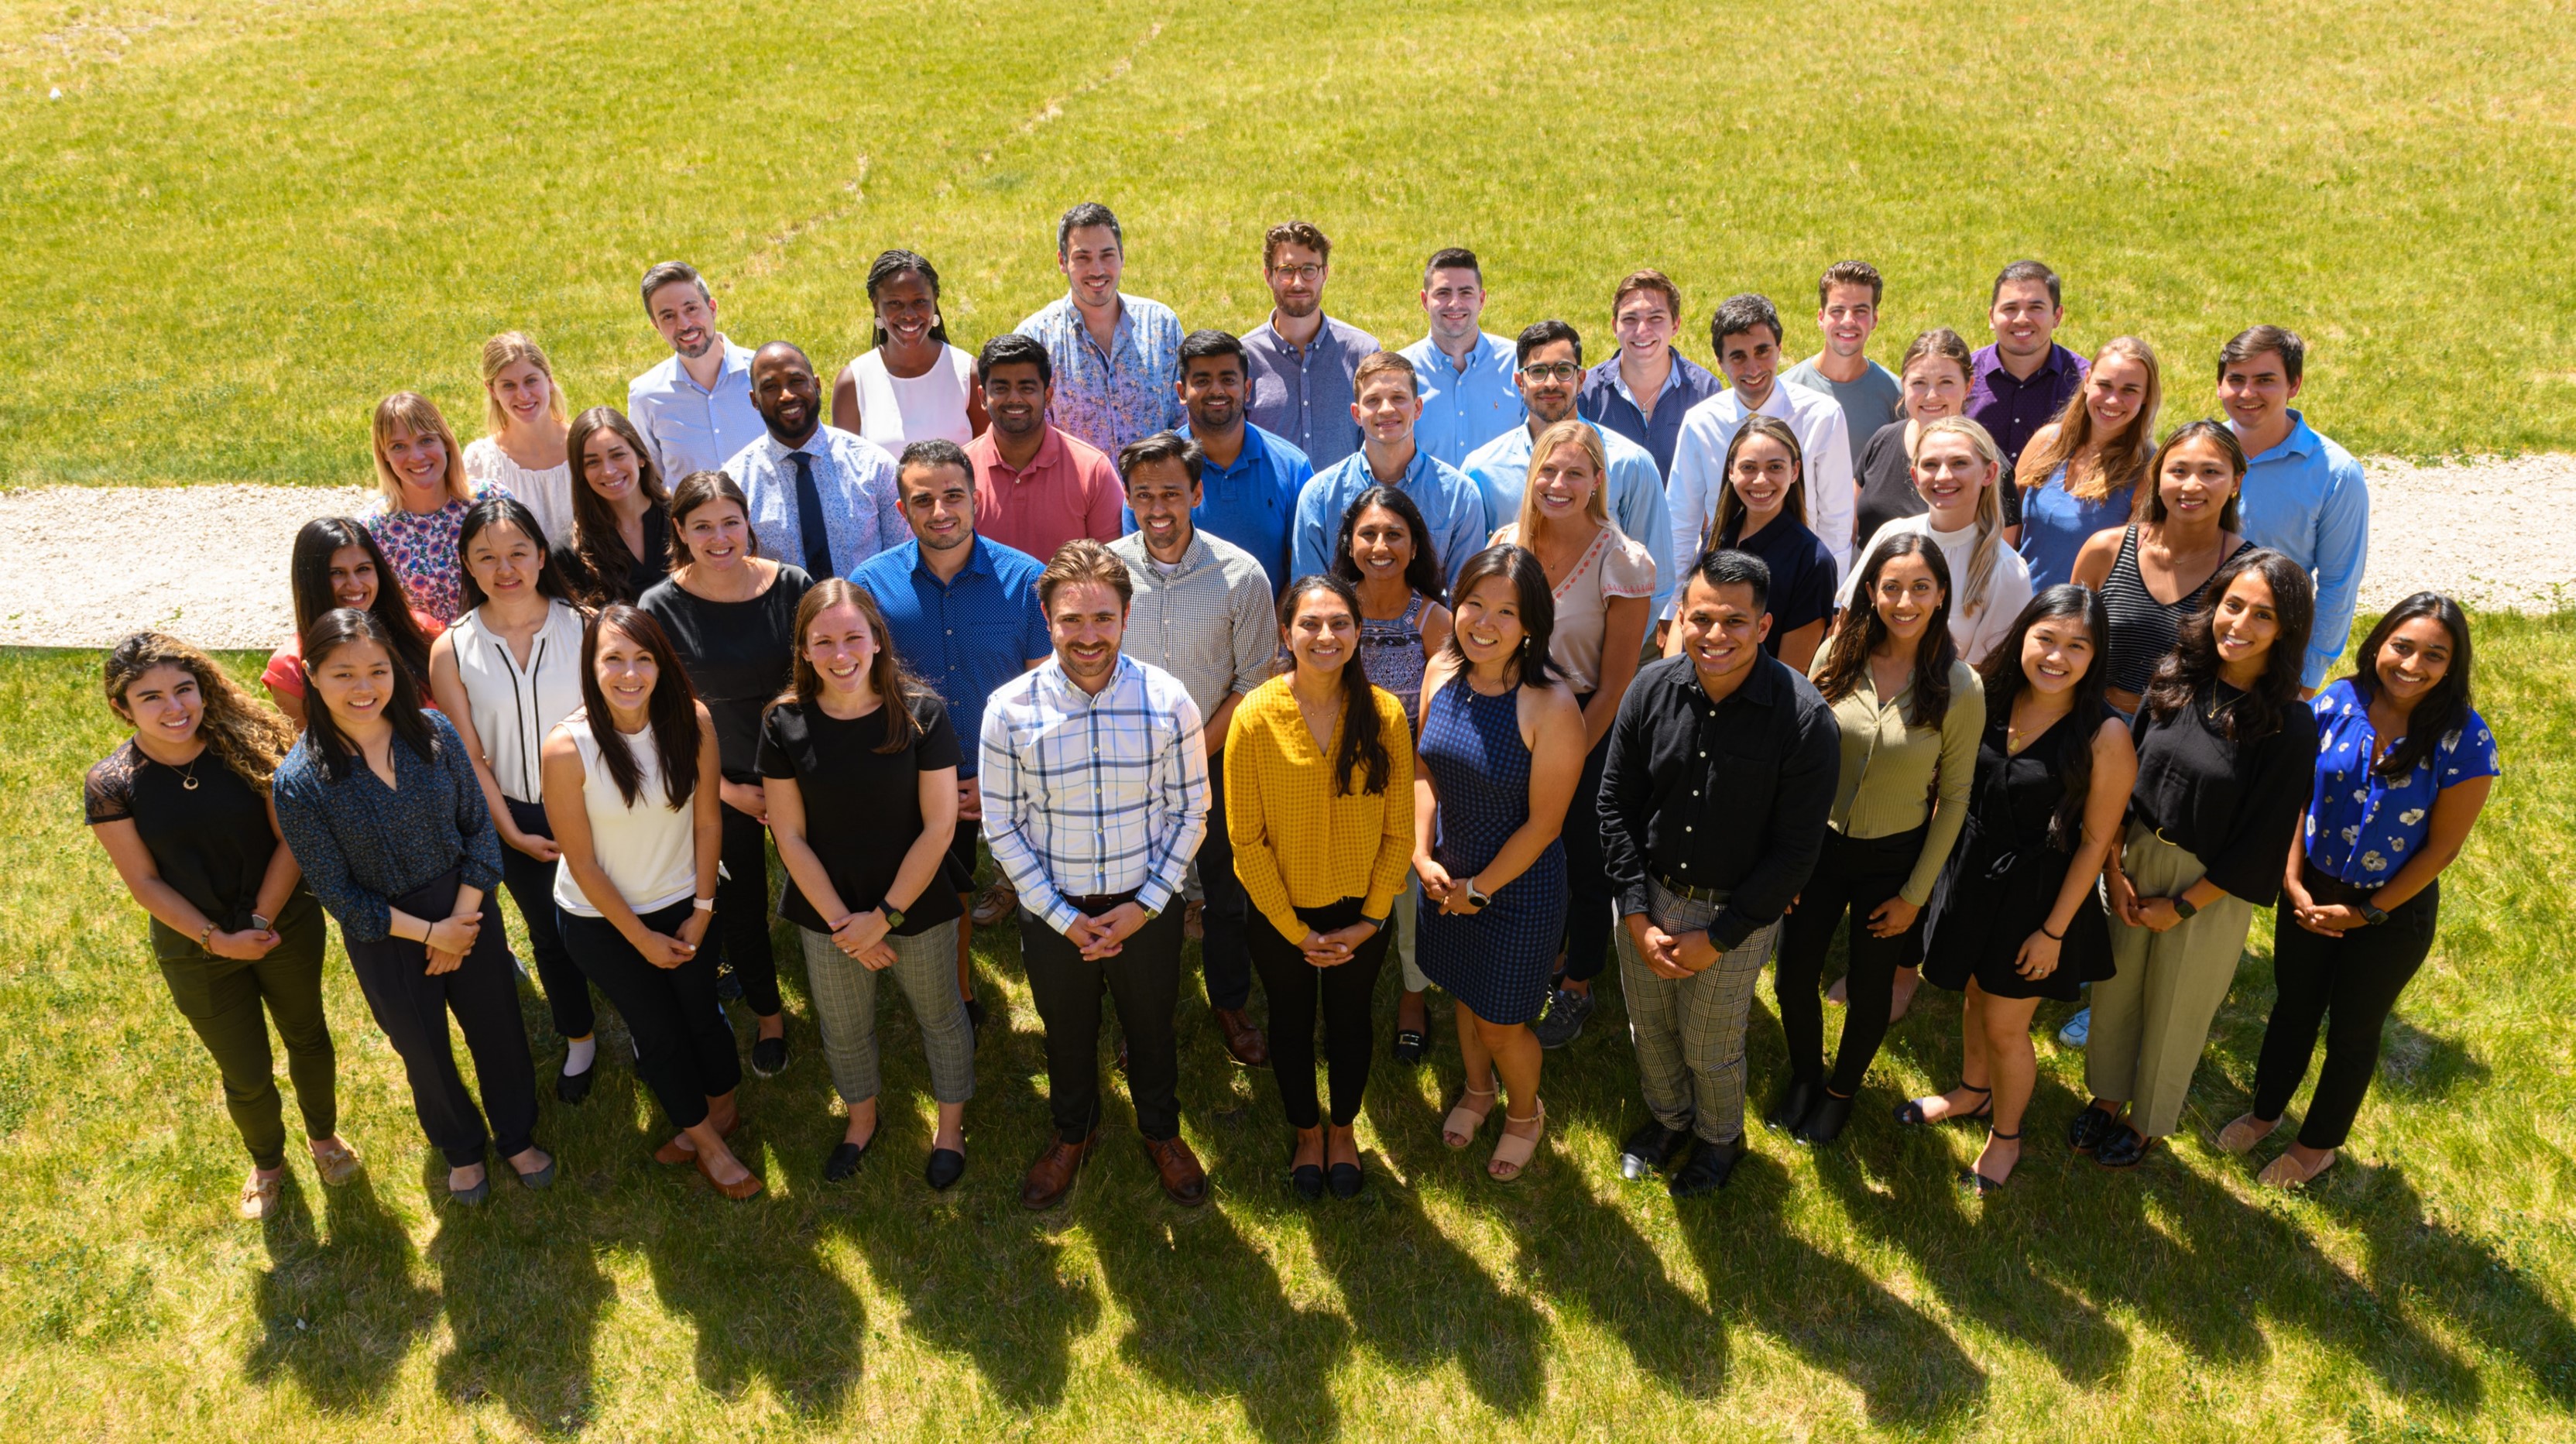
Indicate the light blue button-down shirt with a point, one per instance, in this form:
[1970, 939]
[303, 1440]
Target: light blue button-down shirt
[1500, 469]
[1128, 393]
[2307, 500]
[1462, 410]
[854, 479]
[688, 427]
[1451, 507]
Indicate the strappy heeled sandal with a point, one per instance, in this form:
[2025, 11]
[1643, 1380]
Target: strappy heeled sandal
[1977, 1183]
[1911, 1114]
[1513, 1150]
[1463, 1123]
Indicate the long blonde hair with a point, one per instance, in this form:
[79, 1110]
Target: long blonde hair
[2118, 462]
[1990, 507]
[1572, 431]
[246, 737]
[410, 411]
[504, 351]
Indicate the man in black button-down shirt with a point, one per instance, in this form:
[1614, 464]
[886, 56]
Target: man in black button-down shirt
[1713, 802]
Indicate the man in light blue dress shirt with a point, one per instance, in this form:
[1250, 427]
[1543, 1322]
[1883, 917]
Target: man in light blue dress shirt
[2304, 496]
[1115, 356]
[1300, 360]
[1468, 395]
[819, 497]
[694, 410]
[1551, 378]
[1388, 406]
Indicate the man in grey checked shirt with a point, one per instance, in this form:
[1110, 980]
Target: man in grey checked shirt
[819, 497]
[1095, 798]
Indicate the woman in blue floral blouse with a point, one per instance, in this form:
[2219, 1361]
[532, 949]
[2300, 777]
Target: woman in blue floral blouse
[2404, 763]
[426, 497]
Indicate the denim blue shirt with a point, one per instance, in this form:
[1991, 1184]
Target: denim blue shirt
[2306, 499]
[688, 427]
[2361, 827]
[1500, 469]
[2055, 525]
[1462, 410]
[1128, 393]
[965, 636]
[363, 844]
[1304, 397]
[1451, 506]
[1252, 503]
[853, 478]
[1605, 399]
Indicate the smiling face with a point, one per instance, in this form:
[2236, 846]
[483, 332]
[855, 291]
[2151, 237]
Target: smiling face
[1092, 261]
[1722, 630]
[1382, 544]
[609, 466]
[1489, 628]
[1016, 397]
[1322, 634]
[1644, 323]
[1762, 476]
[1212, 392]
[2244, 624]
[939, 502]
[1847, 317]
[165, 705]
[2413, 661]
[1454, 299]
[504, 562]
[717, 533]
[627, 670]
[2024, 319]
[1750, 360]
[419, 462]
[1086, 621]
[1296, 275]
[686, 316]
[2195, 482]
[354, 682]
[1564, 485]
[1161, 494]
[525, 394]
[353, 579]
[841, 647]
[784, 392]
[2113, 392]
[2257, 391]
[1906, 596]
[1387, 408]
[1549, 380]
[907, 308]
[1935, 387]
[2055, 654]
[1949, 474]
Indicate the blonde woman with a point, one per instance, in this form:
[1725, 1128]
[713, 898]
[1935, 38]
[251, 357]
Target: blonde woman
[1936, 374]
[1957, 471]
[525, 422]
[426, 497]
[2082, 470]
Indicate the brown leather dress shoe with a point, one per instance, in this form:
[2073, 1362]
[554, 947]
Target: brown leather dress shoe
[1051, 1177]
[1242, 1039]
[1179, 1171]
[995, 903]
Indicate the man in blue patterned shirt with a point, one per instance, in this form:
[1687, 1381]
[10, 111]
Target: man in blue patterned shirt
[1116, 357]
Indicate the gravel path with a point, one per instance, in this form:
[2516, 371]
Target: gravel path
[209, 562]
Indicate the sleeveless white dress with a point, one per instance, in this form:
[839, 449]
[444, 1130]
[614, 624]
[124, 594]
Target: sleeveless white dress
[548, 493]
[895, 411]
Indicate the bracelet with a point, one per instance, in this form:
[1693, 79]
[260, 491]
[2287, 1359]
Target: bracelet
[2052, 937]
[703, 904]
[205, 935]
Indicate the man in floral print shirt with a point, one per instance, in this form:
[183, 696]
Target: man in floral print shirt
[1116, 357]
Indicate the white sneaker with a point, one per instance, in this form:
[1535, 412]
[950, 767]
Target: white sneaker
[2077, 1029]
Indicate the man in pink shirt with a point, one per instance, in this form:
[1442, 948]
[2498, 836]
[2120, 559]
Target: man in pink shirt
[1036, 487]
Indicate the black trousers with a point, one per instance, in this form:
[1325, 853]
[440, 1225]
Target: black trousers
[683, 1046]
[1223, 953]
[742, 910]
[1144, 980]
[1588, 894]
[1852, 875]
[1294, 987]
[2347, 985]
[412, 1005]
[532, 887]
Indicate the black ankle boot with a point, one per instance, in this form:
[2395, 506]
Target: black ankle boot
[1824, 1122]
[1794, 1104]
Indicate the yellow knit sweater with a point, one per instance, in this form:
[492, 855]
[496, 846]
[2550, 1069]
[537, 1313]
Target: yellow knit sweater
[1297, 842]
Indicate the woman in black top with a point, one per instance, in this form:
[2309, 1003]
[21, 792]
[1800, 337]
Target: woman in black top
[182, 809]
[2186, 532]
[2014, 918]
[1937, 374]
[731, 614]
[861, 770]
[620, 543]
[2225, 750]
[1758, 509]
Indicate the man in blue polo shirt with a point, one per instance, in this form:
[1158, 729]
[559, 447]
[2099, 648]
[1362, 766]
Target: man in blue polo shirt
[1250, 477]
[1389, 405]
[2304, 496]
[964, 613]
[1465, 372]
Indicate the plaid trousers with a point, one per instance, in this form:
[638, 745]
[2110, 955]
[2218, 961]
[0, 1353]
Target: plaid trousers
[1689, 1032]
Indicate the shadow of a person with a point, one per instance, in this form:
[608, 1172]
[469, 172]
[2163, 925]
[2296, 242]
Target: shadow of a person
[524, 1294]
[338, 1310]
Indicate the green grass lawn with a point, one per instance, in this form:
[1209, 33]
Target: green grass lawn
[2421, 1291]
[244, 222]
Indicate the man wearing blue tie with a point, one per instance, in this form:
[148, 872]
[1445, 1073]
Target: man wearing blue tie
[819, 496]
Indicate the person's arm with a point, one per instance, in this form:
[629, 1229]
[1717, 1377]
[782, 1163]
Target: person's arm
[278, 883]
[1801, 799]
[804, 865]
[2093, 561]
[706, 832]
[893, 528]
[562, 779]
[1180, 774]
[1962, 724]
[1108, 502]
[845, 409]
[1626, 805]
[1005, 800]
[1437, 885]
[1466, 534]
[1556, 766]
[481, 871]
[2455, 811]
[1247, 826]
[2343, 546]
[1395, 834]
[1622, 638]
[978, 420]
[1797, 649]
[1829, 488]
[289, 705]
[2106, 802]
[447, 690]
[1648, 521]
[1256, 637]
[142, 877]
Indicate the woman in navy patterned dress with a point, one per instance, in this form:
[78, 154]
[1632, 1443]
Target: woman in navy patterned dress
[1502, 747]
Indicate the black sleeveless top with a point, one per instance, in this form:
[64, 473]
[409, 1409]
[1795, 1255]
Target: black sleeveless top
[2142, 628]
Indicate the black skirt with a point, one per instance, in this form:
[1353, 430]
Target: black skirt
[2002, 879]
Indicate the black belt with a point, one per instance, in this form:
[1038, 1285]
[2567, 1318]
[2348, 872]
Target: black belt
[1688, 893]
[1092, 905]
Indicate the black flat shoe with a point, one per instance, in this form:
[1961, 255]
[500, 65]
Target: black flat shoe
[1824, 1122]
[1308, 1180]
[1345, 1179]
[2092, 1128]
[1792, 1106]
[1910, 1112]
[574, 1087]
[946, 1166]
[1708, 1168]
[1649, 1150]
[2127, 1149]
[975, 1015]
[1410, 1044]
[536, 1178]
[845, 1160]
[769, 1056]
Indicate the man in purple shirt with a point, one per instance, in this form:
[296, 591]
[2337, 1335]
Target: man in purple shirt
[2024, 378]
[1302, 359]
[1643, 389]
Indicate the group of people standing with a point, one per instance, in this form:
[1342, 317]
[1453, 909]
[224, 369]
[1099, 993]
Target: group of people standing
[1470, 653]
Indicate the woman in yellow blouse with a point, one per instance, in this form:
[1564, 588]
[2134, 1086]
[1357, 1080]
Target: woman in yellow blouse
[1319, 804]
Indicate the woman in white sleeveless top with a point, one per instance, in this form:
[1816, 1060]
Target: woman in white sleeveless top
[911, 385]
[524, 422]
[505, 674]
[630, 783]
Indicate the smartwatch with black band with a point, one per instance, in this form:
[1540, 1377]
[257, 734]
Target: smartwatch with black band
[1480, 899]
[2371, 914]
[2183, 906]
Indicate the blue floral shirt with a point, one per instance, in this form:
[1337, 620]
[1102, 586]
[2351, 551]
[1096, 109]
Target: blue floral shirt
[1127, 394]
[2361, 828]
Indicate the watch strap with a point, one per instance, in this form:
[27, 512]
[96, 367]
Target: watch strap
[2183, 906]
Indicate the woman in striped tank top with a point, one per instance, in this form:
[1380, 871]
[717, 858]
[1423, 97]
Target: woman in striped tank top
[2153, 572]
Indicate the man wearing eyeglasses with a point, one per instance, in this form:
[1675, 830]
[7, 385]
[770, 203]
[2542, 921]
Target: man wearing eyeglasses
[1301, 359]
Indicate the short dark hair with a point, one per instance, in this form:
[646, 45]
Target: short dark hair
[1200, 345]
[1013, 349]
[1727, 567]
[2253, 341]
[2025, 271]
[1296, 233]
[1452, 258]
[1546, 333]
[1085, 560]
[1089, 213]
[1850, 273]
[935, 452]
[669, 273]
[1647, 279]
[1740, 313]
[1161, 446]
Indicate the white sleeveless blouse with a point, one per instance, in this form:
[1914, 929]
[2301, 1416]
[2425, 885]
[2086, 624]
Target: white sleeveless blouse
[514, 707]
[895, 411]
[548, 493]
[648, 849]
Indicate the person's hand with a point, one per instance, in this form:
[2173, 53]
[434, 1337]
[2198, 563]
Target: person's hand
[442, 962]
[1436, 882]
[1694, 952]
[1457, 902]
[1655, 947]
[2124, 898]
[860, 931]
[1891, 918]
[1341, 944]
[748, 798]
[1112, 929]
[2038, 956]
[543, 849]
[1792, 907]
[666, 952]
[2330, 920]
[693, 928]
[2157, 914]
[1318, 950]
[970, 799]
[1083, 933]
[454, 935]
[247, 946]
[876, 957]
[2295, 896]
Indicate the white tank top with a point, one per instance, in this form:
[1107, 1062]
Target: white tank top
[514, 707]
[895, 412]
[649, 849]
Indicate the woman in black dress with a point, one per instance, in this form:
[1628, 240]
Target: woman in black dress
[2014, 918]
[619, 543]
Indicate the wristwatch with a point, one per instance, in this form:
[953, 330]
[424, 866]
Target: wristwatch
[2183, 906]
[260, 924]
[2371, 914]
[893, 915]
[1478, 896]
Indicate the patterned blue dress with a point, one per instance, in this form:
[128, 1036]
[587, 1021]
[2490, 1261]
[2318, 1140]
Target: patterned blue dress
[1499, 961]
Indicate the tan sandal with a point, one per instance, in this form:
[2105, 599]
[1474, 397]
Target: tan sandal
[2287, 1172]
[2243, 1132]
[260, 1196]
[1513, 1150]
[336, 1161]
[1463, 1123]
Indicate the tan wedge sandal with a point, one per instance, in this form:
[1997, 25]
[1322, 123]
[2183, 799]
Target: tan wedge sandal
[1514, 1151]
[1463, 1123]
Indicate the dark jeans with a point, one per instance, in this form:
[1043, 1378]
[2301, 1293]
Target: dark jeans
[741, 929]
[1588, 894]
[1144, 980]
[1851, 875]
[532, 887]
[222, 999]
[1293, 986]
[1223, 953]
[683, 1047]
[2348, 985]
[411, 1004]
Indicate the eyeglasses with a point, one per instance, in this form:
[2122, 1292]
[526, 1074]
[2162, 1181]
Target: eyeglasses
[1298, 273]
[1553, 371]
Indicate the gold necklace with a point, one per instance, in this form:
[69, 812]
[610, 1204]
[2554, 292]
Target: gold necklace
[188, 775]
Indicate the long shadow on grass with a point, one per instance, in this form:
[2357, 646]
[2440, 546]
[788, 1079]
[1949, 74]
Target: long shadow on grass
[524, 1295]
[338, 1310]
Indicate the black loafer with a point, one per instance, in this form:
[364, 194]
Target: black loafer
[1649, 1149]
[2092, 1128]
[1308, 1180]
[1793, 1105]
[2126, 1149]
[946, 1166]
[1410, 1044]
[1824, 1122]
[1709, 1167]
[769, 1056]
[574, 1087]
[845, 1160]
[975, 1015]
[1345, 1179]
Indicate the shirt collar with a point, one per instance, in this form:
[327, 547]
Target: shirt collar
[1760, 690]
[979, 561]
[1126, 327]
[1050, 452]
[2302, 441]
[1051, 675]
[1609, 371]
[815, 444]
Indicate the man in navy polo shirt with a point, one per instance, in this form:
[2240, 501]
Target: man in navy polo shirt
[964, 613]
[2020, 383]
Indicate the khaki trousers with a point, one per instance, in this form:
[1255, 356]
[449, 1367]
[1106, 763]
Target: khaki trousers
[2151, 1017]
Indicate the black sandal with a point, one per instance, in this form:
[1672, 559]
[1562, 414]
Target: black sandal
[1977, 1183]
[1910, 1112]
